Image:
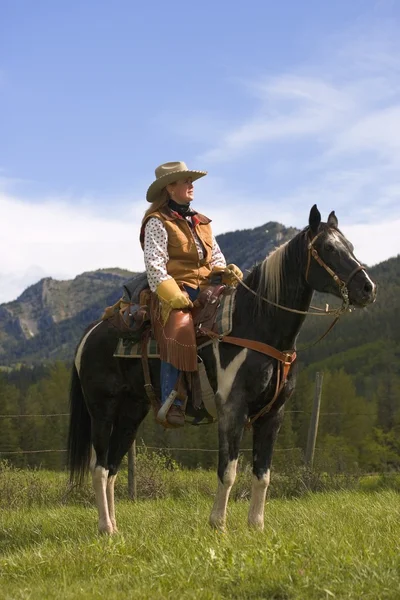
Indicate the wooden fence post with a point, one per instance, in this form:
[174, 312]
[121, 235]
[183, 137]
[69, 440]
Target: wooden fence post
[313, 428]
[132, 487]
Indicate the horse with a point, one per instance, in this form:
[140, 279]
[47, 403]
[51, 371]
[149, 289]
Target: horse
[108, 400]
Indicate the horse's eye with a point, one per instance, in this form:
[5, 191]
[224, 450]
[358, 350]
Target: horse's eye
[329, 247]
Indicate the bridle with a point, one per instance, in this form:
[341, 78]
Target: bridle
[343, 285]
[313, 253]
[286, 359]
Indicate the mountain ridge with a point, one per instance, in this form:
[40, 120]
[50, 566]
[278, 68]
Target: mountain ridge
[46, 321]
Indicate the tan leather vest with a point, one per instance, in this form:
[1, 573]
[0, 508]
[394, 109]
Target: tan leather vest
[184, 264]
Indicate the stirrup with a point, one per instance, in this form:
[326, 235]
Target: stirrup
[162, 413]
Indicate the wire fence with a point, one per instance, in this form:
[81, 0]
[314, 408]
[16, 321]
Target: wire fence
[287, 412]
[145, 447]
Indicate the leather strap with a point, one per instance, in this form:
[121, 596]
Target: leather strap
[284, 357]
[148, 386]
[285, 362]
[354, 271]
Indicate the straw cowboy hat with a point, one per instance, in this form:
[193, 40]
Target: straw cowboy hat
[169, 173]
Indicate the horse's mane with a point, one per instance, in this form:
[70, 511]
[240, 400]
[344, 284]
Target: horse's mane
[272, 272]
[271, 277]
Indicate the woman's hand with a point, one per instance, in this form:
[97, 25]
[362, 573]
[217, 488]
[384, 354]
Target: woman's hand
[231, 274]
[169, 291]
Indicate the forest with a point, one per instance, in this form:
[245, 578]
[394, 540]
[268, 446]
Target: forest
[358, 431]
[359, 425]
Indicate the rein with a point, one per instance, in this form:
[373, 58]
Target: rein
[286, 359]
[312, 252]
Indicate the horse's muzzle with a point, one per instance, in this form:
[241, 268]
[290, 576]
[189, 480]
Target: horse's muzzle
[362, 290]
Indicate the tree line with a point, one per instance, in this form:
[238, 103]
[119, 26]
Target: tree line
[358, 430]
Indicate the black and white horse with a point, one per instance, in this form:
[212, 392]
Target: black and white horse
[108, 400]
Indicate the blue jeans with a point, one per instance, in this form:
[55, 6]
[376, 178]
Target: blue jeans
[169, 373]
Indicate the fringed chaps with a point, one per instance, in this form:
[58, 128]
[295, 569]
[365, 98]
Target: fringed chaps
[176, 339]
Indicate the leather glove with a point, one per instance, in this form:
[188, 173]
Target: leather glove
[169, 291]
[228, 276]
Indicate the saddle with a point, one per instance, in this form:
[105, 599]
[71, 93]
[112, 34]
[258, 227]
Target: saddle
[137, 315]
[131, 315]
[205, 308]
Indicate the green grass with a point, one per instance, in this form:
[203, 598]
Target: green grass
[333, 545]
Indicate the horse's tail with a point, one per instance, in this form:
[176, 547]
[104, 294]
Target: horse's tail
[79, 434]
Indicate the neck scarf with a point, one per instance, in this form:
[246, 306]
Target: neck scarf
[183, 210]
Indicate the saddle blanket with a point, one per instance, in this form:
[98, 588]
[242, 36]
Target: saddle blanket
[223, 326]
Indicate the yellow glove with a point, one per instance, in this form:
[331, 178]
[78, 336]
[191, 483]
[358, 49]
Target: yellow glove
[228, 276]
[169, 291]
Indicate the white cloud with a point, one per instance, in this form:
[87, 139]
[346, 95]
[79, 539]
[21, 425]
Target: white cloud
[325, 133]
[328, 133]
[59, 239]
[375, 241]
[62, 240]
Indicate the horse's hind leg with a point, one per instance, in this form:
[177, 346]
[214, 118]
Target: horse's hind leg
[101, 431]
[265, 431]
[122, 438]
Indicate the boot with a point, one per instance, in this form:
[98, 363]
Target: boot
[176, 416]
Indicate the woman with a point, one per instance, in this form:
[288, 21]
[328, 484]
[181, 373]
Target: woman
[180, 253]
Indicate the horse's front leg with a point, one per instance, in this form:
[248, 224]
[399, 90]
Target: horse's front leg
[231, 420]
[265, 431]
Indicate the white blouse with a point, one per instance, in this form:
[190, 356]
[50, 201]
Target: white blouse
[156, 252]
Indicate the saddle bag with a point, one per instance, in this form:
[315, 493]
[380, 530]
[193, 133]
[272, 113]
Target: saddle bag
[129, 318]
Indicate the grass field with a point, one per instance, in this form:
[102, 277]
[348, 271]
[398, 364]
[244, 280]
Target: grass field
[336, 545]
[341, 544]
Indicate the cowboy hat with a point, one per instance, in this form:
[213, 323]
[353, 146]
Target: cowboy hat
[169, 173]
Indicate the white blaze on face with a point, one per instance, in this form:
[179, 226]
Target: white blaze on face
[337, 240]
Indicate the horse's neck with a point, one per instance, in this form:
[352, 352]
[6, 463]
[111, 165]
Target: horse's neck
[272, 325]
[295, 295]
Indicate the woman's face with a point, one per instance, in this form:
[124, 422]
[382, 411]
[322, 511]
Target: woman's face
[181, 191]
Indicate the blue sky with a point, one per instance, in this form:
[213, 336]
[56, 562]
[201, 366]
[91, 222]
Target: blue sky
[285, 104]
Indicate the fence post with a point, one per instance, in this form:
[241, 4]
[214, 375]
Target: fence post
[132, 488]
[313, 428]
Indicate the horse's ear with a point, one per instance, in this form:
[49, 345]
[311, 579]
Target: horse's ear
[314, 219]
[332, 220]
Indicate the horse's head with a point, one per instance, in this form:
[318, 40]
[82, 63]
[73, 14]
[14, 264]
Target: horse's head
[332, 266]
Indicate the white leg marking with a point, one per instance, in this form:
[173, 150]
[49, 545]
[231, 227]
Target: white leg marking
[110, 501]
[100, 475]
[226, 377]
[218, 513]
[257, 501]
[93, 458]
[78, 355]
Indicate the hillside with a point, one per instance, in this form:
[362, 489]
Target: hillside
[47, 320]
[49, 315]
[377, 322]
[360, 358]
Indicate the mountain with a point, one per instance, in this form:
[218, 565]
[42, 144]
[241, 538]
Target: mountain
[367, 341]
[47, 320]
[48, 317]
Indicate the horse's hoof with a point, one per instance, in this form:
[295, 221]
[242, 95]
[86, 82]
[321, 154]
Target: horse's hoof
[218, 525]
[106, 528]
[256, 525]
